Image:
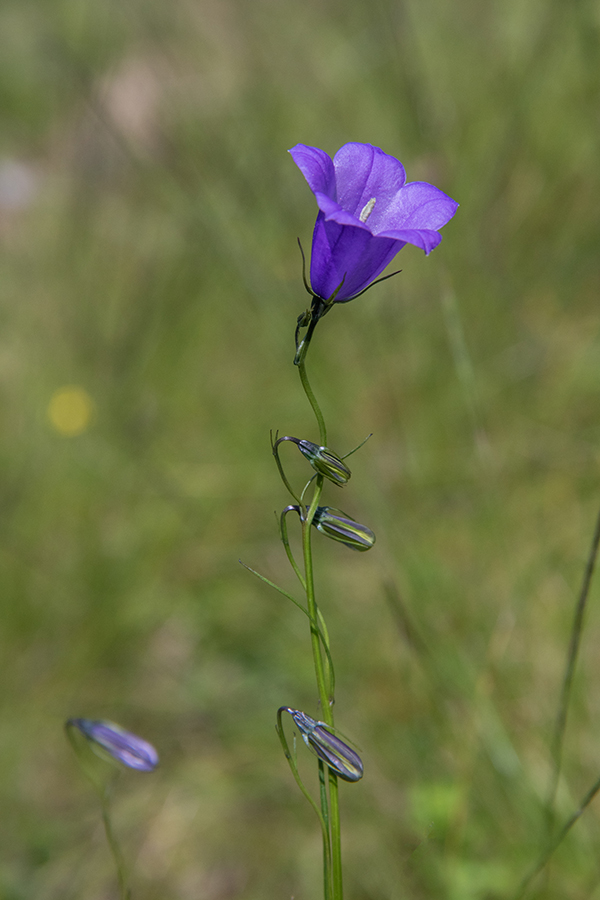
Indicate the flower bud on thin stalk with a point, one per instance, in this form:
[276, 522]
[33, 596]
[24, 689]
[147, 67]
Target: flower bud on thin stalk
[333, 523]
[320, 740]
[339, 527]
[324, 461]
[112, 743]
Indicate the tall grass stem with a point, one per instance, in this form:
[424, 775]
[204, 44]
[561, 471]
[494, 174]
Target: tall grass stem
[573, 652]
[554, 844]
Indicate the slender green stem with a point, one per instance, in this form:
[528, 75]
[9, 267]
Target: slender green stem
[326, 699]
[115, 849]
[305, 488]
[313, 402]
[336, 836]
[327, 861]
[312, 605]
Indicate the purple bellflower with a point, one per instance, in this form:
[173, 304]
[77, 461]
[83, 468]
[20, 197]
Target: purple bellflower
[367, 213]
[121, 745]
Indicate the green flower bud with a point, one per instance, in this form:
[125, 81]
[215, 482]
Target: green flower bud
[325, 462]
[338, 526]
[319, 738]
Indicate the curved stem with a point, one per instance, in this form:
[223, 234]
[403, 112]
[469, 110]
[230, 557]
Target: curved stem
[283, 476]
[306, 487]
[313, 402]
[286, 544]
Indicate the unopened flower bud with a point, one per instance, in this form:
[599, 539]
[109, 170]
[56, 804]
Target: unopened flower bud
[338, 526]
[319, 738]
[325, 462]
[125, 747]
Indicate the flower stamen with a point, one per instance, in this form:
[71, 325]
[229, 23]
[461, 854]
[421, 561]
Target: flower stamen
[367, 210]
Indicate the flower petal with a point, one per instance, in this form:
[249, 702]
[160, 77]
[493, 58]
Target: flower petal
[417, 205]
[334, 212]
[364, 172]
[421, 237]
[317, 168]
[348, 253]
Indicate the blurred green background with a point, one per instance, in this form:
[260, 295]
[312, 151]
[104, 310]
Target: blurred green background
[149, 287]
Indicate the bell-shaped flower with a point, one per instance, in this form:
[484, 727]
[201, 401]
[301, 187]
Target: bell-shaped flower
[111, 741]
[367, 213]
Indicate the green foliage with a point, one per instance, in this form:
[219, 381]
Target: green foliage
[150, 260]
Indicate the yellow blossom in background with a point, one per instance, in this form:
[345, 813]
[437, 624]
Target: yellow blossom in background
[70, 410]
